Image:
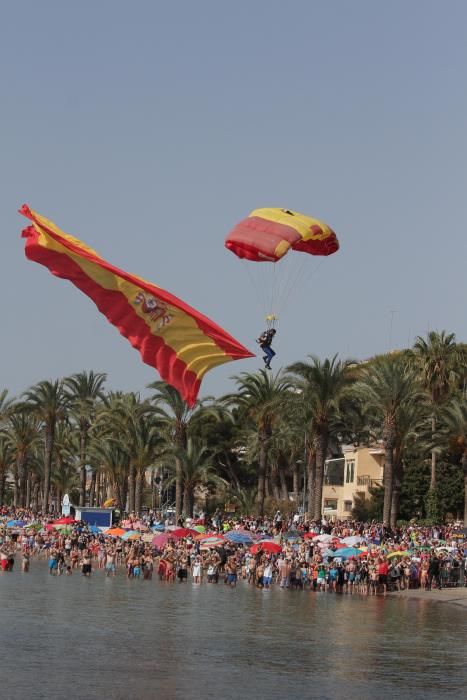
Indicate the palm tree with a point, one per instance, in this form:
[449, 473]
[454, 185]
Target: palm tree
[113, 424]
[196, 470]
[387, 387]
[179, 422]
[436, 358]
[409, 423]
[452, 434]
[322, 386]
[5, 405]
[48, 401]
[83, 390]
[6, 458]
[21, 434]
[114, 459]
[261, 397]
[144, 443]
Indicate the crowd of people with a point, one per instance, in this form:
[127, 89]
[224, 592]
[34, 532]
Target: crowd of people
[290, 553]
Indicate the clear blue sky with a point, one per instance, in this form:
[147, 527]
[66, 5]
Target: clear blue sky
[148, 129]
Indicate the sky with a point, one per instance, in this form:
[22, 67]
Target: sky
[148, 129]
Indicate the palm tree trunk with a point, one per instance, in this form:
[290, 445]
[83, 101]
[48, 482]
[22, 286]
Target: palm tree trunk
[388, 475]
[396, 494]
[433, 458]
[21, 469]
[35, 493]
[311, 483]
[263, 455]
[139, 491]
[274, 481]
[178, 489]
[92, 488]
[283, 480]
[189, 502]
[49, 440]
[2, 486]
[15, 486]
[82, 471]
[321, 451]
[464, 465]
[28, 491]
[295, 481]
[131, 488]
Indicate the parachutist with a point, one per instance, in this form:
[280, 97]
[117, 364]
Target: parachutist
[265, 340]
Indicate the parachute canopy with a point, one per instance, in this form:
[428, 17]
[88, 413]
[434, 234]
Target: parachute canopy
[171, 336]
[266, 235]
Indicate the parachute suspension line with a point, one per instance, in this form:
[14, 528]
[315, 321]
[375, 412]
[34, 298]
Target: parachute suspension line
[300, 277]
[271, 308]
[260, 294]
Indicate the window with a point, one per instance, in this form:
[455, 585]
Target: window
[347, 506]
[349, 471]
[330, 504]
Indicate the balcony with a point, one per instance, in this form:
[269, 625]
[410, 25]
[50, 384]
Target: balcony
[366, 480]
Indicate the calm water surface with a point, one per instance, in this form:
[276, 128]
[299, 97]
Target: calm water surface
[74, 637]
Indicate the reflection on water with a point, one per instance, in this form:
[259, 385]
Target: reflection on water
[113, 638]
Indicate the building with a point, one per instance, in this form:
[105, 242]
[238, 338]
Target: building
[351, 476]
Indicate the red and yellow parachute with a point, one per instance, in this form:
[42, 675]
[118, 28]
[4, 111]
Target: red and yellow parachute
[266, 235]
[171, 336]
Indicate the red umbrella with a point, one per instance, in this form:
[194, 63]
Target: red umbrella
[67, 520]
[310, 535]
[184, 532]
[266, 546]
[162, 539]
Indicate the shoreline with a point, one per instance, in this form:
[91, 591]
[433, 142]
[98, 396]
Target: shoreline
[452, 596]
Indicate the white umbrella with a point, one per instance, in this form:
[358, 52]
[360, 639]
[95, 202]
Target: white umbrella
[354, 539]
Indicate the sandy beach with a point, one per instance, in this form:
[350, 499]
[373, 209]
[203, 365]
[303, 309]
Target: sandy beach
[453, 596]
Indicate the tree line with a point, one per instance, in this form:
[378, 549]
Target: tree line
[252, 445]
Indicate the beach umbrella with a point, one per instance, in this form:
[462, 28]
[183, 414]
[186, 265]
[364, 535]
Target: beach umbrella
[63, 529]
[398, 554]
[324, 538]
[347, 552]
[65, 521]
[266, 546]
[148, 537]
[115, 531]
[310, 535]
[94, 529]
[131, 535]
[16, 523]
[199, 528]
[238, 537]
[214, 541]
[353, 540]
[184, 532]
[160, 527]
[161, 540]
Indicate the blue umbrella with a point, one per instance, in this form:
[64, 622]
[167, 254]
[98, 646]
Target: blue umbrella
[347, 552]
[15, 523]
[94, 529]
[160, 527]
[238, 537]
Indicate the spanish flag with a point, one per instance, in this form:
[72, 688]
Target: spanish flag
[171, 336]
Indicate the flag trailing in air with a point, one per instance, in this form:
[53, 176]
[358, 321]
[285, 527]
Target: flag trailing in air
[171, 336]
